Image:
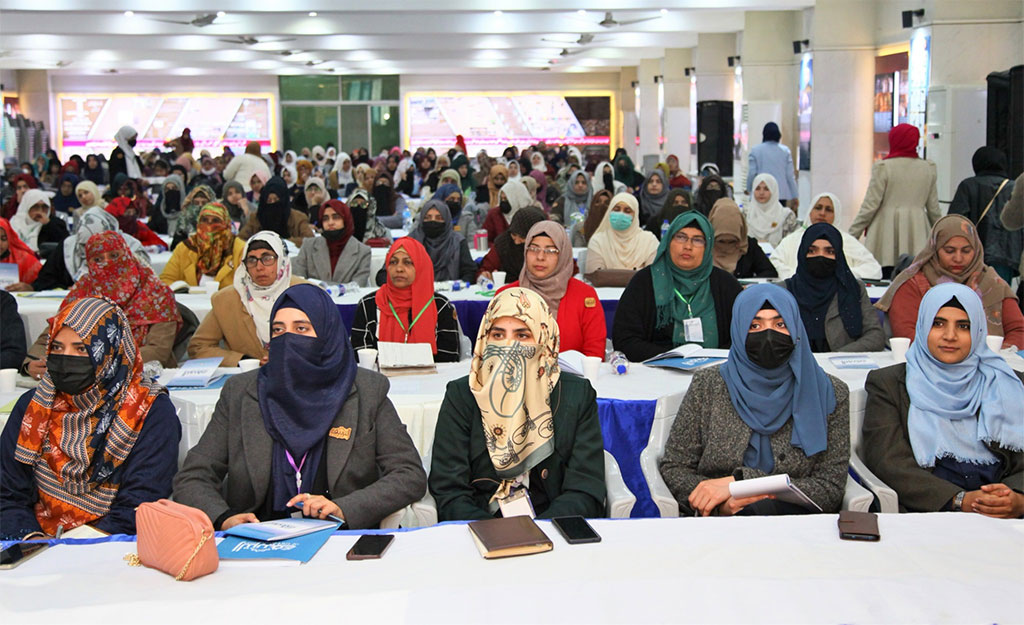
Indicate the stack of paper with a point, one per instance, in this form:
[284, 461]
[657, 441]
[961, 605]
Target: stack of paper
[198, 373]
[397, 359]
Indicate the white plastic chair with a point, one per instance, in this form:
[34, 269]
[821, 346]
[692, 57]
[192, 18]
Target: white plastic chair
[649, 459]
[888, 501]
[619, 498]
[420, 421]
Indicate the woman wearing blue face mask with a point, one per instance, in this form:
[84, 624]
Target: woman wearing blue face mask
[619, 247]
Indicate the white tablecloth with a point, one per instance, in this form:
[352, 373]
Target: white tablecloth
[928, 568]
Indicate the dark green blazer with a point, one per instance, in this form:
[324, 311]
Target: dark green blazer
[571, 479]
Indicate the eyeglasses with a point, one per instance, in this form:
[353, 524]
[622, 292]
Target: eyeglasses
[543, 251]
[682, 238]
[266, 259]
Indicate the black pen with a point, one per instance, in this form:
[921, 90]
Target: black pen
[298, 504]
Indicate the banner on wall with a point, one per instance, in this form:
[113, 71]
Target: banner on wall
[87, 122]
[804, 110]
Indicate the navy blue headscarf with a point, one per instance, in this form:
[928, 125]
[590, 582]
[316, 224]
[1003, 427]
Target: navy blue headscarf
[814, 295]
[302, 388]
[767, 398]
[66, 203]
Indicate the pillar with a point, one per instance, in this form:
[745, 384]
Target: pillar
[648, 74]
[677, 105]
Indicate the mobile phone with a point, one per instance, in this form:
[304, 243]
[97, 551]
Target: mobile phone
[575, 530]
[858, 526]
[370, 547]
[16, 554]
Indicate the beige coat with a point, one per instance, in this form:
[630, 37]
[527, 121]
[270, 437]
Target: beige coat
[899, 208]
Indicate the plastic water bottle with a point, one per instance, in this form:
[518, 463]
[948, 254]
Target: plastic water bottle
[664, 228]
[336, 290]
[458, 285]
[619, 363]
[577, 217]
[407, 220]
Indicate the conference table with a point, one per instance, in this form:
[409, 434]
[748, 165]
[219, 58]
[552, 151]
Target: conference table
[928, 568]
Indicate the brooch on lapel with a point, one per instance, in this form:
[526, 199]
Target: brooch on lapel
[340, 432]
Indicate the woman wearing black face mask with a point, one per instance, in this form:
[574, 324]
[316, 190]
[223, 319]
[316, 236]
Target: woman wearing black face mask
[94, 440]
[276, 214]
[452, 196]
[712, 188]
[770, 409]
[390, 205]
[834, 304]
[448, 249]
[335, 256]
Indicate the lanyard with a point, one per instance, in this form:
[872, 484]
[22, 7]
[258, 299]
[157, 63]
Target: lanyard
[395, 313]
[298, 469]
[689, 311]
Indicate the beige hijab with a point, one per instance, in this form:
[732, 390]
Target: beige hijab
[629, 249]
[728, 221]
[551, 287]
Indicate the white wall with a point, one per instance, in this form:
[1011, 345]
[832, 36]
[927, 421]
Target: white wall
[539, 80]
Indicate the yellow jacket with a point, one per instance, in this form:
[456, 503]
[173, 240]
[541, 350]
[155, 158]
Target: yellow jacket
[182, 266]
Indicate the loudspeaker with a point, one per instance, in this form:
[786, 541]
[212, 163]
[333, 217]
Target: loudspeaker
[714, 134]
[1005, 116]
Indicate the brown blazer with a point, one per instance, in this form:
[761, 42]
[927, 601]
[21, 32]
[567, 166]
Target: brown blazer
[228, 330]
[159, 345]
[298, 227]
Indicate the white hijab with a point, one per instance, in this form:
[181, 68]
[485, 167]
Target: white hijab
[765, 221]
[597, 179]
[131, 163]
[97, 197]
[519, 174]
[290, 157]
[344, 177]
[517, 196]
[537, 161]
[259, 300]
[628, 249]
[25, 226]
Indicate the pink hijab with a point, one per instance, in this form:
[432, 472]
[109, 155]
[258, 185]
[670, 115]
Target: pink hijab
[542, 189]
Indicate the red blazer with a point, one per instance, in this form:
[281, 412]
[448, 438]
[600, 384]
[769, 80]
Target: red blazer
[581, 323]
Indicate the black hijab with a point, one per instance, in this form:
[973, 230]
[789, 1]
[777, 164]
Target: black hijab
[511, 254]
[989, 161]
[274, 216]
[706, 198]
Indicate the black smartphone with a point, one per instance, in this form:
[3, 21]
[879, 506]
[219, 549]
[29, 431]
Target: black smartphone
[16, 554]
[575, 530]
[370, 547]
[858, 526]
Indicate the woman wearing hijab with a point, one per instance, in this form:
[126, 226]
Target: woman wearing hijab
[447, 249]
[901, 202]
[581, 233]
[235, 202]
[542, 189]
[653, 195]
[490, 190]
[341, 178]
[514, 173]
[243, 167]
[944, 430]
[276, 214]
[461, 165]
[572, 207]
[95, 439]
[825, 208]
[626, 173]
[768, 410]
[518, 422]
[93, 171]
[368, 228]
[188, 219]
[13, 250]
[65, 200]
[453, 198]
[677, 179]
[259, 178]
[953, 254]
[212, 254]
[512, 198]
[508, 253]
[309, 427]
[981, 199]
[334, 257]
[680, 298]
[406, 309]
[774, 158]
[21, 184]
[548, 272]
[834, 305]
[736, 252]
[677, 202]
[619, 247]
[123, 210]
[238, 324]
[767, 219]
[164, 218]
[390, 204]
[36, 223]
[123, 159]
[604, 179]
[712, 188]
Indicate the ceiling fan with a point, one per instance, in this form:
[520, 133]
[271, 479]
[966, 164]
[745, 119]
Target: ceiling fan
[584, 39]
[247, 40]
[199, 21]
[611, 22]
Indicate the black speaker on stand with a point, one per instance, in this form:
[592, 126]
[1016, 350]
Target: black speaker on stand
[714, 134]
[1005, 119]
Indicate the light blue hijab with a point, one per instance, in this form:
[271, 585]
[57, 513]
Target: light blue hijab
[945, 399]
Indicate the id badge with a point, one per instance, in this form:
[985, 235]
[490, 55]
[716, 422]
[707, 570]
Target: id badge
[693, 331]
[517, 504]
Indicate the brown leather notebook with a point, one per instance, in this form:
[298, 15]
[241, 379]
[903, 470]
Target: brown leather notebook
[514, 536]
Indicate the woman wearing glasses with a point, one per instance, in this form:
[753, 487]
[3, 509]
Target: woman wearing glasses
[548, 270]
[240, 317]
[680, 298]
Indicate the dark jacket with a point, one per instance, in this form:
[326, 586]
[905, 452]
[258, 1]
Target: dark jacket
[467, 268]
[754, 264]
[55, 231]
[568, 482]
[887, 452]
[1002, 246]
[634, 332]
[116, 165]
[447, 332]
[146, 473]
[54, 273]
[12, 333]
[872, 337]
[370, 474]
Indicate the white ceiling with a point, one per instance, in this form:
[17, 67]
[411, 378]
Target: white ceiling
[376, 36]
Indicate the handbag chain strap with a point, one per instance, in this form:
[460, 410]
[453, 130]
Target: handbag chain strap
[133, 558]
[985, 212]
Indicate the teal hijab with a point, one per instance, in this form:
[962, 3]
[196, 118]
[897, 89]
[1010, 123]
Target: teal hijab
[681, 294]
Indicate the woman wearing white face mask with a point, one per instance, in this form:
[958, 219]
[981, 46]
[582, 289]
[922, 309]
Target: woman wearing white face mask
[619, 247]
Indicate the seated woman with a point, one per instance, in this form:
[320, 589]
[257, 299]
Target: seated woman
[65, 200]
[127, 218]
[680, 298]
[767, 219]
[540, 431]
[114, 273]
[571, 207]
[944, 430]
[653, 196]
[677, 202]
[390, 204]
[548, 271]
[406, 309]
[581, 232]
[12, 331]
[452, 196]
[239, 318]
[712, 188]
[836, 310]
[736, 252]
[13, 250]
[309, 427]
[276, 214]
[448, 249]
[513, 198]
[368, 228]
[36, 223]
[770, 409]
[508, 252]
[95, 439]
[335, 257]
[620, 247]
[235, 202]
[212, 254]
[954, 254]
[188, 218]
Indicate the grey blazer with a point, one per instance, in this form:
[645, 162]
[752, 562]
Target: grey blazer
[872, 338]
[373, 473]
[314, 261]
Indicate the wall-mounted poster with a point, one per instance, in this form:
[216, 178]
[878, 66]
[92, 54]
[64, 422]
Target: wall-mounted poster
[803, 110]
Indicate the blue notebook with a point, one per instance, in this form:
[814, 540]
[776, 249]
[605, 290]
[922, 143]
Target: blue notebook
[300, 549]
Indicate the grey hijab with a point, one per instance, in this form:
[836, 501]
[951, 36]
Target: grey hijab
[444, 250]
[94, 221]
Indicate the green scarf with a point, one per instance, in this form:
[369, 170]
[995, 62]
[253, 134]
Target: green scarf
[671, 282]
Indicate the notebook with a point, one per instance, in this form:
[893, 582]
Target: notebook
[280, 529]
[196, 373]
[514, 536]
[298, 550]
[778, 485]
[688, 357]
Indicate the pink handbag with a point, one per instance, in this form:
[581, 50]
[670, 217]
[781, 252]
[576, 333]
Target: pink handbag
[175, 539]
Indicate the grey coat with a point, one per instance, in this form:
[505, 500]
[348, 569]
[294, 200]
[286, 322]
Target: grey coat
[371, 474]
[314, 261]
[708, 440]
[872, 338]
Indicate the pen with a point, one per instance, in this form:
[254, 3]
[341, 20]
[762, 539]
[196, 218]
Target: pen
[298, 504]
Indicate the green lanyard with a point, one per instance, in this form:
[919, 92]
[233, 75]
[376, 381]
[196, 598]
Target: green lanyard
[395, 313]
[689, 311]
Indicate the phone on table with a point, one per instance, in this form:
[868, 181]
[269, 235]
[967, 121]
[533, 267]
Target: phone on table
[16, 554]
[370, 547]
[575, 530]
[858, 526]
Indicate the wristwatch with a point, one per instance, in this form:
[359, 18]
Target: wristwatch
[958, 501]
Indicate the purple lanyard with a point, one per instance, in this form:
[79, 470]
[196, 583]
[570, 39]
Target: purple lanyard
[298, 469]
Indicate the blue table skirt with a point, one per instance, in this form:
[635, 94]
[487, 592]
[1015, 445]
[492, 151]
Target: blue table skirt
[626, 426]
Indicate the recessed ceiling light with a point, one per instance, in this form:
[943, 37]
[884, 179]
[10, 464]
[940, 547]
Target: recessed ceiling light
[129, 13]
[664, 11]
[498, 13]
[582, 11]
[312, 13]
[221, 13]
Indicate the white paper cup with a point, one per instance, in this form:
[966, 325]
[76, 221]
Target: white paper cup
[248, 364]
[899, 346]
[367, 358]
[591, 365]
[499, 278]
[995, 343]
[8, 380]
